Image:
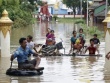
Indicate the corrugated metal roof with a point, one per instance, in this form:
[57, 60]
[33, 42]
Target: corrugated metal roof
[102, 13]
[99, 9]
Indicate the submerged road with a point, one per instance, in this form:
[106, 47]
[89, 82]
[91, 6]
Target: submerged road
[58, 69]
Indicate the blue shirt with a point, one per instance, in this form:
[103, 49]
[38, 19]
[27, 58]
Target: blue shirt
[22, 54]
[73, 40]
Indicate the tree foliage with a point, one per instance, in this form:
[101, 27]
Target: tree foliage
[72, 4]
[0, 2]
[109, 2]
[13, 2]
[19, 13]
[40, 3]
[84, 5]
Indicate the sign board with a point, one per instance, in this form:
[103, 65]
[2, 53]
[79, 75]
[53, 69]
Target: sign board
[108, 24]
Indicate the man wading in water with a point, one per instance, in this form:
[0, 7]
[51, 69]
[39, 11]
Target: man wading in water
[22, 53]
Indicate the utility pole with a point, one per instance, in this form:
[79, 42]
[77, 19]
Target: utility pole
[87, 14]
[106, 8]
[81, 7]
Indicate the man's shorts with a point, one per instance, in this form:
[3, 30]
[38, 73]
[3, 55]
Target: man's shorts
[27, 64]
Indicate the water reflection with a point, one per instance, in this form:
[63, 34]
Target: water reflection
[86, 68]
[58, 69]
[25, 80]
[17, 33]
[61, 69]
[53, 59]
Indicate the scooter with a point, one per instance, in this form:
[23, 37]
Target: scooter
[52, 49]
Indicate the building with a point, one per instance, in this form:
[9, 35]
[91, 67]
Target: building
[97, 12]
[56, 7]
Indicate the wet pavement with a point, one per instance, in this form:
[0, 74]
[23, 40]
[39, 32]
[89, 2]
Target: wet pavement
[58, 69]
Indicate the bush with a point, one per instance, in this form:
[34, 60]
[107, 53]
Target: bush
[55, 16]
[79, 21]
[91, 30]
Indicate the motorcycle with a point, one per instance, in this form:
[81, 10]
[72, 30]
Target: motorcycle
[50, 50]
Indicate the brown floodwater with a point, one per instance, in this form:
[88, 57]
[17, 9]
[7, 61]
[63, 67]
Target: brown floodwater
[58, 69]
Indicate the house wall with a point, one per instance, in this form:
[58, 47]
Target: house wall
[59, 11]
[97, 0]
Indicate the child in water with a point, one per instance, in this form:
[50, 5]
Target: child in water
[96, 40]
[81, 34]
[77, 46]
[92, 48]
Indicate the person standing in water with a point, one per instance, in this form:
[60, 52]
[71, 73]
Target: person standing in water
[81, 34]
[73, 40]
[96, 41]
[92, 48]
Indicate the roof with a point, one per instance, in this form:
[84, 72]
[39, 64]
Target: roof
[92, 7]
[99, 9]
[102, 13]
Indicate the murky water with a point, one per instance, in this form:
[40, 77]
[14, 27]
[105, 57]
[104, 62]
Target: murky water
[58, 69]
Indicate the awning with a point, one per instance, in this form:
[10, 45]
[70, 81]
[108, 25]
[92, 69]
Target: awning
[102, 13]
[99, 10]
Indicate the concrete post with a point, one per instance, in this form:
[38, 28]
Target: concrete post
[5, 28]
[106, 22]
[91, 20]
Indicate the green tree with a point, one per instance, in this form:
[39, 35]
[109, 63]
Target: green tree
[21, 14]
[72, 4]
[84, 5]
[13, 2]
[32, 1]
[39, 3]
[109, 2]
[0, 2]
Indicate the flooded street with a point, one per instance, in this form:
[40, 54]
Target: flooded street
[58, 69]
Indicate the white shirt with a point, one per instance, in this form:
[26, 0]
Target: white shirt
[30, 45]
